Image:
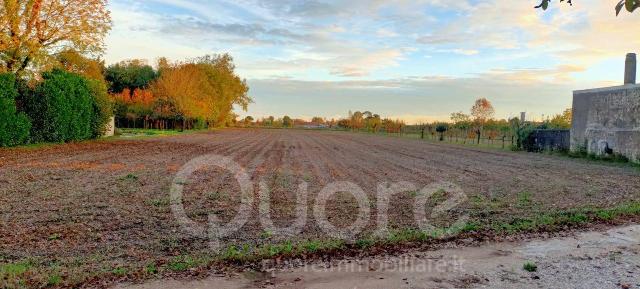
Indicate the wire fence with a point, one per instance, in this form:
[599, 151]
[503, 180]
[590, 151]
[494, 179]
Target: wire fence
[487, 139]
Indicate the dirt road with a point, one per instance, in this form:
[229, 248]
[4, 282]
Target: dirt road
[605, 259]
[103, 208]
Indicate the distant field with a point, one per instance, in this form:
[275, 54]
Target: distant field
[80, 213]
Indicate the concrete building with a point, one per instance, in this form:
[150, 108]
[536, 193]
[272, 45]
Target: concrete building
[607, 120]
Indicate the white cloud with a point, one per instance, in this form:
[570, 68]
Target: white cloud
[383, 32]
[461, 51]
[362, 52]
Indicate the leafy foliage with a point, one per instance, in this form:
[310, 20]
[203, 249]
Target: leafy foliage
[441, 128]
[31, 32]
[132, 75]
[61, 108]
[73, 61]
[102, 107]
[482, 111]
[197, 93]
[530, 267]
[14, 127]
[561, 121]
[287, 121]
[629, 5]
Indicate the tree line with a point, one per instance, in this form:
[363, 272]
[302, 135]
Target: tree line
[49, 89]
[473, 127]
[54, 86]
[196, 93]
[357, 121]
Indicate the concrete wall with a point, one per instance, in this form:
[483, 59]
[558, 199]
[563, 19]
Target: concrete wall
[607, 118]
[111, 128]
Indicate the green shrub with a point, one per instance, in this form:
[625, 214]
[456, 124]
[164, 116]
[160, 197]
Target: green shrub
[102, 107]
[61, 108]
[522, 133]
[14, 127]
[530, 267]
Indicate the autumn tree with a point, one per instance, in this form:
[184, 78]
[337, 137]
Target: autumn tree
[373, 122]
[481, 112]
[287, 121]
[73, 61]
[392, 126]
[562, 121]
[33, 31]
[186, 87]
[204, 89]
[228, 87]
[318, 120]
[269, 121]
[357, 119]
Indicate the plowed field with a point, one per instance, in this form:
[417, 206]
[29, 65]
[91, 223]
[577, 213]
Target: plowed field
[88, 210]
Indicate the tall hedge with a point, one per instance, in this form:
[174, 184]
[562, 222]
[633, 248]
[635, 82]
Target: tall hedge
[102, 107]
[14, 127]
[61, 108]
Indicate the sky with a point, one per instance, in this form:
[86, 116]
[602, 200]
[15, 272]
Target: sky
[416, 60]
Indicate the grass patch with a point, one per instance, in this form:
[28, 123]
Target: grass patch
[14, 270]
[182, 263]
[54, 237]
[310, 246]
[151, 269]
[247, 253]
[365, 243]
[120, 271]
[266, 235]
[218, 196]
[524, 200]
[54, 280]
[549, 221]
[162, 202]
[615, 158]
[530, 267]
[15, 275]
[437, 198]
[129, 177]
[556, 220]
[137, 132]
[470, 227]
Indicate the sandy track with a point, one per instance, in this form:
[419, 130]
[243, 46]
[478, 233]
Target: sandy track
[109, 200]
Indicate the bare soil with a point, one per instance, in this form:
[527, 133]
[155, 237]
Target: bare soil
[88, 210]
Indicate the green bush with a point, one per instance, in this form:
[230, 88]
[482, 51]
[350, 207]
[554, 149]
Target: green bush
[522, 135]
[102, 107]
[61, 108]
[14, 127]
